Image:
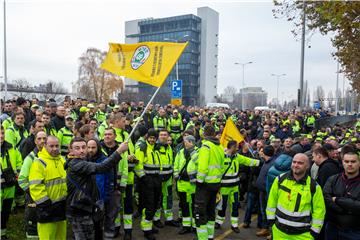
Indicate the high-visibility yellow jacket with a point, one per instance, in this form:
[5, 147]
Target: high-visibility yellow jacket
[23, 179]
[9, 154]
[185, 170]
[211, 162]
[175, 125]
[149, 162]
[65, 135]
[14, 135]
[296, 207]
[101, 129]
[159, 123]
[125, 169]
[231, 179]
[100, 116]
[165, 154]
[47, 178]
[7, 123]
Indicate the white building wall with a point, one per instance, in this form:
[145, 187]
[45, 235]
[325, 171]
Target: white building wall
[208, 53]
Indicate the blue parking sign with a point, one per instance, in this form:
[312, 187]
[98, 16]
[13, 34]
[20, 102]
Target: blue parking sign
[317, 105]
[176, 89]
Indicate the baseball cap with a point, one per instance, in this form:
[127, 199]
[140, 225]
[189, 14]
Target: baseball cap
[68, 117]
[35, 106]
[84, 109]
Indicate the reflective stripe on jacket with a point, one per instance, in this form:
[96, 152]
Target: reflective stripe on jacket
[292, 206]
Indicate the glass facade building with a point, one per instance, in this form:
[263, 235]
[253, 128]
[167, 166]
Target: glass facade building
[175, 29]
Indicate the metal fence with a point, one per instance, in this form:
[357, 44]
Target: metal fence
[332, 121]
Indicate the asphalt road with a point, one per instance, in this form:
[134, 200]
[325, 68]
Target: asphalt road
[225, 233]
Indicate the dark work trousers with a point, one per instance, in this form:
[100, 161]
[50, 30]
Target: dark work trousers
[5, 213]
[263, 203]
[334, 233]
[235, 204]
[128, 207]
[185, 205]
[151, 195]
[19, 196]
[30, 216]
[83, 227]
[112, 208]
[98, 226]
[205, 203]
[252, 201]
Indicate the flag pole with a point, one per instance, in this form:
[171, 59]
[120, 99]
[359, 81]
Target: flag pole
[250, 148]
[142, 114]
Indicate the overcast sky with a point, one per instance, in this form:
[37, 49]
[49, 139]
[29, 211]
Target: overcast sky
[46, 38]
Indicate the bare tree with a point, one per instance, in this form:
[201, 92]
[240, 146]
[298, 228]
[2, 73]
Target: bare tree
[230, 90]
[94, 82]
[319, 93]
[330, 98]
[53, 90]
[22, 84]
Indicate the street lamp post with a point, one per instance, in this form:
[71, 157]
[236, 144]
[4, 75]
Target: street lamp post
[301, 100]
[177, 64]
[243, 83]
[337, 88]
[5, 57]
[277, 87]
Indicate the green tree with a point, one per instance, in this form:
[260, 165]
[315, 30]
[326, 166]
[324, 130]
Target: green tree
[341, 19]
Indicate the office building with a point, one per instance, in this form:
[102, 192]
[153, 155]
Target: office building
[197, 66]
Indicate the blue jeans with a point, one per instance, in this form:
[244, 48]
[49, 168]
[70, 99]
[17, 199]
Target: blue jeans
[263, 203]
[334, 233]
[252, 201]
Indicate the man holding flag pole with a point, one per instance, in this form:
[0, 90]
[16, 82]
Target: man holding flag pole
[230, 180]
[151, 63]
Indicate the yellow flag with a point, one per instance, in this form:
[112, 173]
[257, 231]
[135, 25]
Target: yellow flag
[147, 62]
[230, 133]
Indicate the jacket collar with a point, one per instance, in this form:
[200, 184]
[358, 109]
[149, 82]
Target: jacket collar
[300, 181]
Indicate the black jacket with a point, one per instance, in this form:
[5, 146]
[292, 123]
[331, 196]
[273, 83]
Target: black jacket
[83, 173]
[27, 146]
[261, 180]
[327, 168]
[29, 116]
[58, 122]
[345, 211]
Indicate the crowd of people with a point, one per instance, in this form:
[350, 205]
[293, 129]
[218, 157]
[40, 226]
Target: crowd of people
[74, 161]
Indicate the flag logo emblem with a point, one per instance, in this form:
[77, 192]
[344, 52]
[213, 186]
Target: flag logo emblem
[140, 56]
